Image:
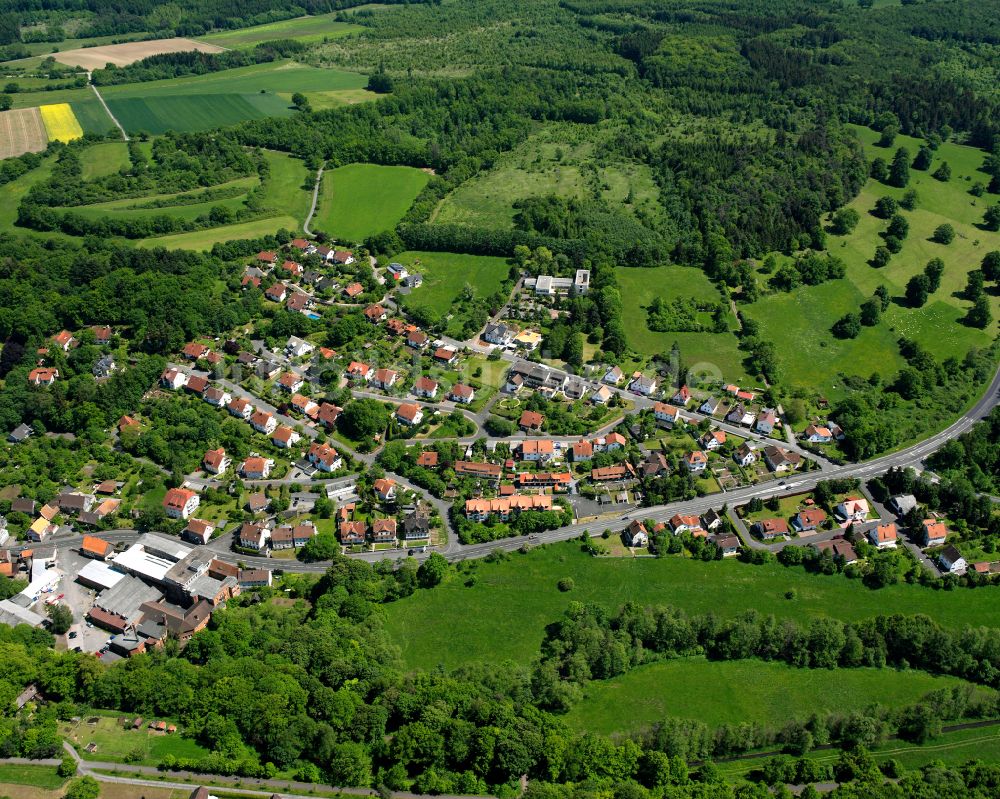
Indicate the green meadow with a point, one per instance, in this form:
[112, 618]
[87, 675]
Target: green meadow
[799, 322]
[304, 29]
[104, 159]
[446, 275]
[738, 690]
[715, 351]
[359, 200]
[202, 102]
[504, 614]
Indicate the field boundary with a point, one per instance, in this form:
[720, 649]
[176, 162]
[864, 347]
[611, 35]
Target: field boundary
[108, 110]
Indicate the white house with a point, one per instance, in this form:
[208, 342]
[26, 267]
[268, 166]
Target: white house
[951, 560]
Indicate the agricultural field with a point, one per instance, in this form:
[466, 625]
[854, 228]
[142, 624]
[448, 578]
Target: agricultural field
[503, 616]
[766, 692]
[22, 131]
[122, 54]
[446, 275]
[219, 99]
[716, 353]
[42, 50]
[557, 160]
[60, 122]
[360, 200]
[799, 322]
[304, 29]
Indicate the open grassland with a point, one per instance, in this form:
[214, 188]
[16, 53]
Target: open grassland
[205, 239]
[716, 353]
[122, 54]
[104, 159]
[799, 322]
[304, 29]
[446, 275]
[114, 742]
[744, 690]
[560, 159]
[16, 189]
[31, 99]
[35, 776]
[202, 102]
[503, 616]
[22, 131]
[60, 122]
[359, 200]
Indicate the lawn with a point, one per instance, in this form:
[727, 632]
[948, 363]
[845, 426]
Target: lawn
[359, 200]
[304, 29]
[799, 322]
[201, 102]
[446, 274]
[715, 353]
[765, 692]
[104, 159]
[114, 742]
[35, 776]
[503, 616]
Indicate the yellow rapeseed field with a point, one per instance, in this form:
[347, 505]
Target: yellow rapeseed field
[60, 122]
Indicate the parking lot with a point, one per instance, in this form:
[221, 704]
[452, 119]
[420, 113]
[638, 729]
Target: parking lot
[80, 599]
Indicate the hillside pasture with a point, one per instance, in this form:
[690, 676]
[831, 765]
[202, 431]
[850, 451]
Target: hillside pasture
[123, 54]
[202, 102]
[304, 29]
[504, 614]
[205, 239]
[768, 693]
[717, 353]
[799, 322]
[359, 200]
[22, 131]
[104, 159]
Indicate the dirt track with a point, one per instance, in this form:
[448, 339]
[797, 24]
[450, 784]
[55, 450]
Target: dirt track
[22, 131]
[91, 58]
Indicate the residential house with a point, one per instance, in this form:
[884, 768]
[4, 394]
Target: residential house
[613, 376]
[696, 461]
[285, 437]
[682, 396]
[645, 386]
[781, 460]
[292, 267]
[513, 384]
[416, 526]
[324, 457]
[342, 257]
[194, 351]
[766, 421]
[104, 367]
[385, 489]
[102, 333]
[654, 465]
[480, 509]
[537, 450]
[428, 459]
[263, 422]
[413, 281]
[96, 548]
[602, 396]
[352, 533]
[256, 468]
[558, 481]
[385, 379]
[771, 528]
[328, 415]
[352, 290]
[304, 405]
[729, 544]
[266, 369]
[710, 406]
[883, 536]
[240, 408]
[951, 560]
[424, 386]
[266, 257]
[198, 531]
[446, 355]
[258, 502]
[252, 536]
[409, 413]
[817, 434]
[180, 503]
[396, 271]
[297, 347]
[254, 578]
[416, 339]
[499, 334]
[531, 422]
[745, 455]
[276, 292]
[43, 376]
[291, 382]
[840, 548]
[384, 531]
[215, 461]
[608, 474]
[712, 439]
[358, 371]
[581, 451]
[934, 533]
[20, 434]
[853, 509]
[903, 504]
[74, 502]
[667, 415]
[196, 385]
[636, 534]
[462, 393]
[808, 520]
[736, 414]
[711, 520]
[376, 314]
[488, 471]
[216, 397]
[64, 340]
